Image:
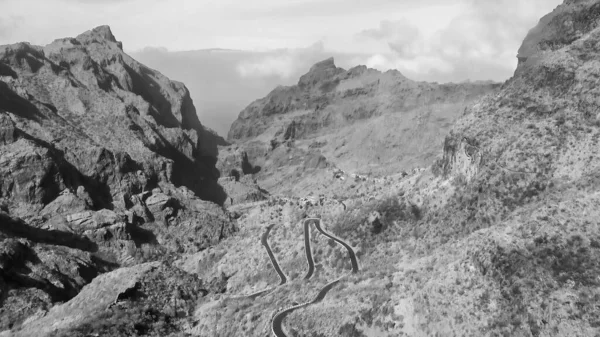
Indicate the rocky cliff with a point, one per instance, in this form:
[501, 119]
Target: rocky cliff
[103, 163]
[329, 97]
[515, 190]
[498, 237]
[360, 120]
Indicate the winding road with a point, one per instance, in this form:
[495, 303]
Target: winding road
[277, 323]
[309, 257]
[353, 258]
[282, 277]
[265, 243]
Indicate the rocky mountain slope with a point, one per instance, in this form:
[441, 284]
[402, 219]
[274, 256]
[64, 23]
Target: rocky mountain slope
[103, 164]
[498, 237]
[359, 120]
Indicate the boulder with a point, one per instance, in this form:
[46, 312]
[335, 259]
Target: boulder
[90, 220]
[82, 220]
[375, 222]
[93, 298]
[68, 202]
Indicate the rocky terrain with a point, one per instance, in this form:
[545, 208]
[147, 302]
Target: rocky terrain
[103, 164]
[498, 236]
[358, 120]
[122, 215]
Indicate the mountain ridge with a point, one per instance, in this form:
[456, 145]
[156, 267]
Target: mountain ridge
[331, 114]
[103, 164]
[496, 236]
[488, 228]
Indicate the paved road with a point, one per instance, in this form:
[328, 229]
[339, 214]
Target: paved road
[282, 277]
[309, 257]
[265, 243]
[277, 323]
[353, 258]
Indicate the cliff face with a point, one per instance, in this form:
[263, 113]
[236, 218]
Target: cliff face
[328, 97]
[524, 209]
[99, 119]
[103, 163]
[359, 120]
[541, 128]
[563, 26]
[545, 119]
[499, 237]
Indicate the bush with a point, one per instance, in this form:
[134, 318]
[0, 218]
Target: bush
[134, 321]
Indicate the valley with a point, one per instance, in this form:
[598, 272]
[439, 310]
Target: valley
[354, 203]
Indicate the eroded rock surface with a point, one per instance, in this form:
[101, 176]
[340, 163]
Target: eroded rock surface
[103, 164]
[360, 120]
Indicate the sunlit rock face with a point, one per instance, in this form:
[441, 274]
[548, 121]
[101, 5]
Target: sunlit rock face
[103, 163]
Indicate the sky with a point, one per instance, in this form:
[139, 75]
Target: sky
[431, 40]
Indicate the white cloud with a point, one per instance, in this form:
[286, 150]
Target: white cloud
[480, 42]
[285, 64]
[478, 38]
[421, 65]
[401, 36]
[281, 65]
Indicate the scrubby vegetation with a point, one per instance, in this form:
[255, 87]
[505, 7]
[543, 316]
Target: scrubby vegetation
[157, 306]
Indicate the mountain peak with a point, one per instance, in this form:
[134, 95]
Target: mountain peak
[319, 72]
[565, 24]
[100, 33]
[325, 64]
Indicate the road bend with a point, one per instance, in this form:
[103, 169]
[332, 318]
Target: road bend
[277, 323]
[265, 242]
[351, 253]
[277, 326]
[309, 257]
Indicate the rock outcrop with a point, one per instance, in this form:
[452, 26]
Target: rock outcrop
[80, 112]
[543, 124]
[132, 299]
[103, 163]
[328, 97]
[499, 237]
[360, 120]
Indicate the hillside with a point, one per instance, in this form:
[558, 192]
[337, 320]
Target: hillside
[103, 164]
[498, 236]
[479, 219]
[359, 120]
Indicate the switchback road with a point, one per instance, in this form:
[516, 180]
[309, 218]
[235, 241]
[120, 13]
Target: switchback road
[277, 323]
[265, 243]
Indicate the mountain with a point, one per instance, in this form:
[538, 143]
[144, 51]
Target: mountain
[223, 82]
[497, 236]
[359, 120]
[490, 228]
[103, 164]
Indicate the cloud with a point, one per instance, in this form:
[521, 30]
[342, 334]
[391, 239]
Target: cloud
[325, 8]
[401, 36]
[422, 65]
[285, 63]
[99, 1]
[150, 49]
[479, 43]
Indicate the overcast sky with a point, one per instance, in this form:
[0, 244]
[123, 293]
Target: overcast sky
[433, 40]
[419, 35]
